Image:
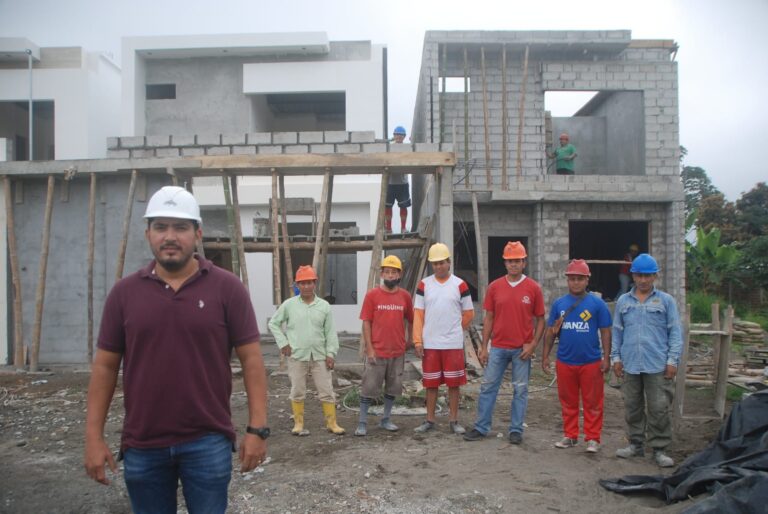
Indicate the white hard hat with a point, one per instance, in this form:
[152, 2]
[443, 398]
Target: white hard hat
[173, 202]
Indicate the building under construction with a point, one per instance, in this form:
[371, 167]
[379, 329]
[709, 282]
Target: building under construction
[478, 160]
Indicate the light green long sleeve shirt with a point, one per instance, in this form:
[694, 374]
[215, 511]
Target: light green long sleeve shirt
[309, 329]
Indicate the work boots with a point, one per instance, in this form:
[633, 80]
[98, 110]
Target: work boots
[298, 419]
[329, 411]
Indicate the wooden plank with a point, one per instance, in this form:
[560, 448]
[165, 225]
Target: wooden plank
[42, 273]
[284, 227]
[482, 273]
[466, 120]
[190, 187]
[521, 115]
[678, 403]
[321, 219]
[333, 246]
[239, 232]
[721, 381]
[126, 226]
[716, 339]
[709, 333]
[277, 297]
[323, 265]
[91, 254]
[486, 138]
[18, 325]
[234, 254]
[504, 119]
[442, 73]
[377, 247]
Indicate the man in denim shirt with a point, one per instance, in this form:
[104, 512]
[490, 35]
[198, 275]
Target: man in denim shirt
[646, 352]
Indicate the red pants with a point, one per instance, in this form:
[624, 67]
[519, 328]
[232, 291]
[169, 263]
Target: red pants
[587, 380]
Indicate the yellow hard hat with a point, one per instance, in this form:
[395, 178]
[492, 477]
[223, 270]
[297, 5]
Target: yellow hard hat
[391, 261]
[438, 252]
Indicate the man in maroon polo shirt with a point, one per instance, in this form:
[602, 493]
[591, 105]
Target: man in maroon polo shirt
[172, 325]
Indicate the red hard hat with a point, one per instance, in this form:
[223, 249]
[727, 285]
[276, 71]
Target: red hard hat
[305, 273]
[578, 267]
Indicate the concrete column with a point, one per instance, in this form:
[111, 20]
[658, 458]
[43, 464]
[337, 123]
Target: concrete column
[6, 339]
[445, 208]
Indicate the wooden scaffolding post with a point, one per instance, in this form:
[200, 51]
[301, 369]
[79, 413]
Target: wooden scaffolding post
[200, 247]
[441, 93]
[126, 226]
[504, 119]
[466, 120]
[323, 264]
[286, 241]
[378, 237]
[721, 384]
[482, 273]
[42, 272]
[717, 340]
[321, 220]
[233, 249]
[485, 120]
[521, 114]
[91, 254]
[18, 325]
[678, 404]
[278, 290]
[239, 232]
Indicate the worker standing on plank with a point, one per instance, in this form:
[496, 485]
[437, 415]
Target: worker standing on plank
[513, 326]
[387, 316]
[173, 325]
[564, 156]
[582, 322]
[310, 343]
[397, 189]
[442, 311]
[646, 350]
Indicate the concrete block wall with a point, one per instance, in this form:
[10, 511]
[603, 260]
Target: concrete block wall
[616, 66]
[259, 143]
[658, 82]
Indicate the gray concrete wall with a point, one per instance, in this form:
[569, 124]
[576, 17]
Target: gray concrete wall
[625, 141]
[589, 134]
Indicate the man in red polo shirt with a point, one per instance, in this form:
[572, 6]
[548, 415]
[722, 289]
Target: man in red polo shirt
[173, 325]
[514, 324]
[387, 315]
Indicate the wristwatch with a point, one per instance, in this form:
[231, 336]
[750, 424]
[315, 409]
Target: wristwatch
[262, 432]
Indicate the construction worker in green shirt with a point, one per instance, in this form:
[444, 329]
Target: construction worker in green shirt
[310, 343]
[564, 156]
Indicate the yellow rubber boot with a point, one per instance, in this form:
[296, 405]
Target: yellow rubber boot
[329, 411]
[298, 419]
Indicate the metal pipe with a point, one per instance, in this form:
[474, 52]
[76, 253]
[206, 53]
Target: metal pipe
[31, 121]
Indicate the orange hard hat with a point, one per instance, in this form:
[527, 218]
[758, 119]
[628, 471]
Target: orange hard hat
[578, 267]
[305, 273]
[514, 250]
[564, 136]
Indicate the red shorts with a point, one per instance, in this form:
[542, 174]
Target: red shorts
[443, 367]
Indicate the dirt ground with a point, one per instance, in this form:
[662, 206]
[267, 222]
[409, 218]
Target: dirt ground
[41, 446]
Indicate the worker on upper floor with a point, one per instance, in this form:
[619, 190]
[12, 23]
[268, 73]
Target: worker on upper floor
[397, 189]
[564, 156]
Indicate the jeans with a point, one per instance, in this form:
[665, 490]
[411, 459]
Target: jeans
[498, 360]
[203, 465]
[647, 401]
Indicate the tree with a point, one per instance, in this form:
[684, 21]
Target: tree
[752, 212]
[697, 187]
[752, 264]
[710, 264]
[715, 212]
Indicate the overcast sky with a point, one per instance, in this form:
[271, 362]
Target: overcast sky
[722, 58]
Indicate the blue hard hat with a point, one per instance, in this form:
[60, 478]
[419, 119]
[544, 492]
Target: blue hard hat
[644, 263]
[399, 130]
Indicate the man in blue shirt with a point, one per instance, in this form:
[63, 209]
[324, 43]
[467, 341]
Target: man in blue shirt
[577, 318]
[647, 343]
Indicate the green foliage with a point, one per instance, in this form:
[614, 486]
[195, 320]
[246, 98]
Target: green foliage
[697, 187]
[752, 210]
[733, 393]
[757, 317]
[715, 212]
[710, 264]
[701, 306]
[752, 264]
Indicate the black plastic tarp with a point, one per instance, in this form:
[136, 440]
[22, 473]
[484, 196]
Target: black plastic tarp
[733, 468]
